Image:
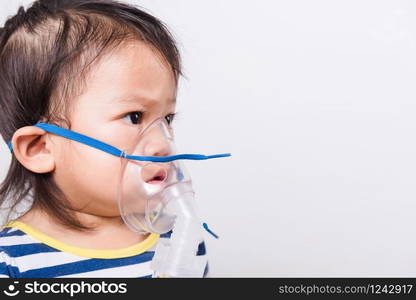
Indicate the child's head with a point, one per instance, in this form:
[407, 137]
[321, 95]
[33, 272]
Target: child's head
[101, 68]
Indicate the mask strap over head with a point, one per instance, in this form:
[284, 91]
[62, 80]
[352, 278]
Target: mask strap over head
[86, 140]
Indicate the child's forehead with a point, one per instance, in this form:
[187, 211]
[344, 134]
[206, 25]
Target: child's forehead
[136, 62]
[130, 73]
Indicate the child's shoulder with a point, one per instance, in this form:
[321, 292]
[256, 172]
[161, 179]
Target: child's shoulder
[10, 231]
[6, 230]
[10, 236]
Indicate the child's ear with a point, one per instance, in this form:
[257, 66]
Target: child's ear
[30, 148]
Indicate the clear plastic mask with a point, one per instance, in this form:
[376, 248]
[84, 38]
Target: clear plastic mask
[147, 190]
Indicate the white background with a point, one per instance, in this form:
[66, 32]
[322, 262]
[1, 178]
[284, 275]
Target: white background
[316, 102]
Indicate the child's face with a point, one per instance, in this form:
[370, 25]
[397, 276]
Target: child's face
[124, 92]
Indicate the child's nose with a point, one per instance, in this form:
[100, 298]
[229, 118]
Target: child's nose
[156, 144]
[157, 148]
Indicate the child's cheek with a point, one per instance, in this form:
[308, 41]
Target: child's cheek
[90, 178]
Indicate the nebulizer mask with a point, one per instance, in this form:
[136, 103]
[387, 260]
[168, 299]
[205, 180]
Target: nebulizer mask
[155, 195]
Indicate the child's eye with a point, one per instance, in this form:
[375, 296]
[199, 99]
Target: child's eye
[135, 117]
[169, 118]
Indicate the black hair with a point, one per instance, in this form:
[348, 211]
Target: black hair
[45, 54]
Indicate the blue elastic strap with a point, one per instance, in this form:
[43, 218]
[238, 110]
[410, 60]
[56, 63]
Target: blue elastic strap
[205, 225]
[175, 157]
[78, 137]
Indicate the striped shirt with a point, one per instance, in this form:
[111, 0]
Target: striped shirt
[28, 253]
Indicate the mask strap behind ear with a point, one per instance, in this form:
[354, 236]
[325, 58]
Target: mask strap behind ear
[86, 140]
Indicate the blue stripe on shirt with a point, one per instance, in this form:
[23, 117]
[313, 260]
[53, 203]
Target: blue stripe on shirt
[9, 270]
[13, 233]
[88, 265]
[5, 230]
[27, 249]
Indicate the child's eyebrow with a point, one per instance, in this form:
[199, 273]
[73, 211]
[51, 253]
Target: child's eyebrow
[128, 99]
